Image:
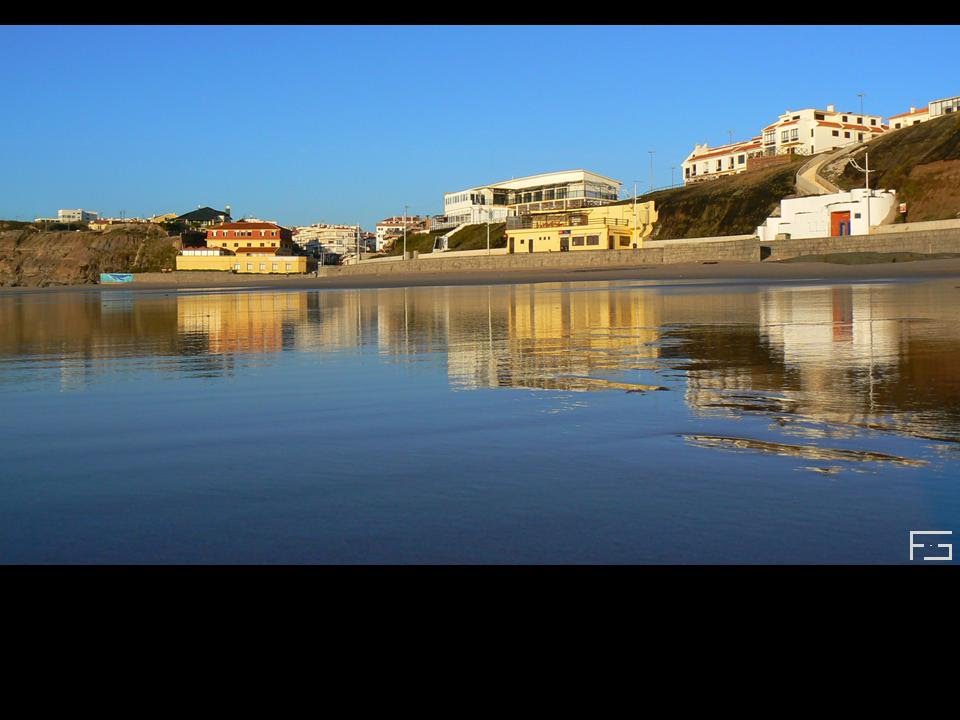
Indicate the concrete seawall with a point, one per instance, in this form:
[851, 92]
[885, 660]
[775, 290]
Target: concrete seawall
[926, 241]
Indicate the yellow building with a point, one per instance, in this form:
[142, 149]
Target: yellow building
[247, 260]
[608, 227]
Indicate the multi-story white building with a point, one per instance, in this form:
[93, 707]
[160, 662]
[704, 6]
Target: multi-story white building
[564, 190]
[78, 215]
[705, 163]
[935, 108]
[71, 216]
[321, 237]
[812, 131]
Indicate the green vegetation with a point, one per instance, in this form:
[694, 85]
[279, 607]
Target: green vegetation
[474, 237]
[14, 225]
[920, 162]
[869, 258]
[732, 205]
[421, 242]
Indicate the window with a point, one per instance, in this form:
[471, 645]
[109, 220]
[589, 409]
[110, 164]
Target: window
[624, 241]
[859, 121]
[783, 135]
[289, 267]
[844, 118]
[237, 266]
[856, 216]
[740, 160]
[811, 132]
[263, 266]
[896, 127]
[521, 241]
[261, 244]
[860, 137]
[846, 133]
[836, 133]
[719, 165]
[275, 266]
[794, 134]
[578, 241]
[249, 266]
[593, 239]
[235, 244]
[873, 121]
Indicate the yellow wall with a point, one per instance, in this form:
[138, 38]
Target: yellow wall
[624, 236]
[228, 262]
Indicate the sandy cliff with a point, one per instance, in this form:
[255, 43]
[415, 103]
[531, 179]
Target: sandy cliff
[30, 257]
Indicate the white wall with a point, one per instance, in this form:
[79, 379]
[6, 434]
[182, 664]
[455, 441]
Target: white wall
[809, 217]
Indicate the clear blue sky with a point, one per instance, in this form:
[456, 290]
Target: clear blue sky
[349, 124]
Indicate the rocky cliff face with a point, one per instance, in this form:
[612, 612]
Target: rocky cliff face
[30, 257]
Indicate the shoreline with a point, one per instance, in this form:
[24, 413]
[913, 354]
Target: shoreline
[720, 272]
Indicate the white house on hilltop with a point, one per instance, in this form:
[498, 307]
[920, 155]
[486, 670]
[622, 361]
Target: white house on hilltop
[812, 131]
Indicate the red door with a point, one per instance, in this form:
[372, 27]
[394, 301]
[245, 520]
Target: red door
[840, 223]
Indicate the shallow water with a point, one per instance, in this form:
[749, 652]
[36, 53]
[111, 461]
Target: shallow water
[595, 422]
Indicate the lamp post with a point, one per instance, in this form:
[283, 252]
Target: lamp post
[861, 103]
[487, 212]
[405, 231]
[672, 168]
[651, 168]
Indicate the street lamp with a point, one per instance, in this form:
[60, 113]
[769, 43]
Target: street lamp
[651, 168]
[405, 231]
[861, 102]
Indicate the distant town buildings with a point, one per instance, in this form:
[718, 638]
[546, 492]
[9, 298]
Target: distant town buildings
[705, 163]
[391, 228]
[324, 238]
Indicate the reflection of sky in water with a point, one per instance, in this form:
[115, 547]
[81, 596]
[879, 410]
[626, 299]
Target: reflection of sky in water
[589, 422]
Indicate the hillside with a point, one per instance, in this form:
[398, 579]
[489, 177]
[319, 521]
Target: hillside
[921, 162]
[733, 205]
[472, 237]
[30, 257]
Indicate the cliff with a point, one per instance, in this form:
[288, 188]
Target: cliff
[30, 257]
[920, 162]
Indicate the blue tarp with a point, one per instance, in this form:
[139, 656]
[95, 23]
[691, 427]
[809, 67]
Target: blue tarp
[116, 277]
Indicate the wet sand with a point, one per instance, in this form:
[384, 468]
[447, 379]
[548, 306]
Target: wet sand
[721, 273]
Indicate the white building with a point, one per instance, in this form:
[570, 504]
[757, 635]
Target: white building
[392, 227]
[845, 213]
[935, 108]
[321, 237]
[567, 189]
[914, 117]
[71, 216]
[78, 215]
[812, 131]
[705, 163]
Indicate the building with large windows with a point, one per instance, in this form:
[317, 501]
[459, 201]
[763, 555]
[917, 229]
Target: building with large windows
[611, 227]
[557, 191]
[812, 131]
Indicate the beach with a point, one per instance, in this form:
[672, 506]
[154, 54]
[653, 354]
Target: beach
[720, 272]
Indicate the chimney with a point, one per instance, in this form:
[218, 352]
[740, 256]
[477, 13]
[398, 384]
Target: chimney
[227, 210]
[912, 109]
[831, 108]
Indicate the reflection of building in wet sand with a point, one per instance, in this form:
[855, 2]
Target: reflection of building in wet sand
[254, 322]
[857, 355]
[553, 336]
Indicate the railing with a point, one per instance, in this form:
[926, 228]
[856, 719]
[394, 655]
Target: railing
[533, 222]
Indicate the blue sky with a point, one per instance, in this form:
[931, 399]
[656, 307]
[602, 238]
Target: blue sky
[349, 124]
